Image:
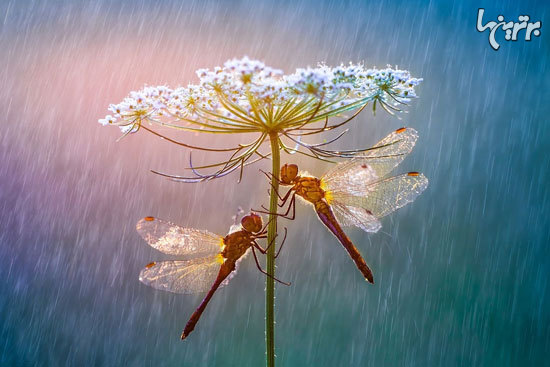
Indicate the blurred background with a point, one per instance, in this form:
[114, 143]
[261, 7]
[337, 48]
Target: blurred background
[462, 274]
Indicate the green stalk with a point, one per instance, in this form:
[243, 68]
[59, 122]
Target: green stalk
[271, 234]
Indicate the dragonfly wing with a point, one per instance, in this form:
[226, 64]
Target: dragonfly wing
[188, 276]
[175, 240]
[352, 216]
[373, 164]
[399, 143]
[382, 197]
[351, 177]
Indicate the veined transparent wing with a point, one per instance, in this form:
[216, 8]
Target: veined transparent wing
[348, 216]
[373, 164]
[175, 240]
[399, 143]
[384, 196]
[188, 276]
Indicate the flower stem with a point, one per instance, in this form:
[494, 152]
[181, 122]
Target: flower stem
[271, 234]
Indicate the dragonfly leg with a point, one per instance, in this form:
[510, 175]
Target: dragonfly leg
[264, 250]
[285, 215]
[291, 205]
[283, 199]
[259, 248]
[264, 272]
[281, 246]
[264, 230]
[266, 210]
[269, 175]
[268, 246]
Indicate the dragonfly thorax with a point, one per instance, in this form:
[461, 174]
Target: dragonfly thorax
[309, 188]
[236, 244]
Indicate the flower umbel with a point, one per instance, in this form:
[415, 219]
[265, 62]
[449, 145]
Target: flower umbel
[246, 96]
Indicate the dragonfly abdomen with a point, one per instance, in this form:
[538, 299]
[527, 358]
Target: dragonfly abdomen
[225, 270]
[329, 220]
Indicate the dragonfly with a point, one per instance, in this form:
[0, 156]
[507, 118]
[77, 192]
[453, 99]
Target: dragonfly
[357, 192]
[218, 261]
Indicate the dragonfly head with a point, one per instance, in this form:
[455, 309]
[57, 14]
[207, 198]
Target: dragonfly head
[288, 173]
[252, 223]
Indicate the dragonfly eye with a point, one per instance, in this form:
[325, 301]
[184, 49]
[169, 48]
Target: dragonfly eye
[252, 223]
[288, 173]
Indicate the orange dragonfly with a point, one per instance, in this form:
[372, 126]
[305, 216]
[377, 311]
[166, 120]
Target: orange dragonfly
[219, 259]
[358, 192]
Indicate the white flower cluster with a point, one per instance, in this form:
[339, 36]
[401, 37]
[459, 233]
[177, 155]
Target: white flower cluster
[150, 102]
[245, 89]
